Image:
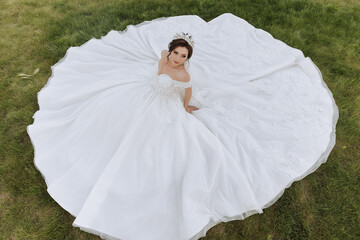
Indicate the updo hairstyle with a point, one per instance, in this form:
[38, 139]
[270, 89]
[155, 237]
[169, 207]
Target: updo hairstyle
[180, 43]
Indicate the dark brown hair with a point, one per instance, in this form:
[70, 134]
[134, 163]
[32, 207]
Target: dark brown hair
[180, 43]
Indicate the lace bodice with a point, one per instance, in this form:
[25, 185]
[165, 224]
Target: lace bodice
[165, 85]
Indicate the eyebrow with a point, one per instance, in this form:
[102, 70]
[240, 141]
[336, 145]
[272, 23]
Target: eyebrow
[184, 54]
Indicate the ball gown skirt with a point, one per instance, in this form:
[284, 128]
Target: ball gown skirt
[119, 152]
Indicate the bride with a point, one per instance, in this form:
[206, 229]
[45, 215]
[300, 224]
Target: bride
[172, 63]
[137, 143]
[170, 177]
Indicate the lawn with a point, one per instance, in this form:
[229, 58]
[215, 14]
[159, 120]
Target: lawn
[35, 34]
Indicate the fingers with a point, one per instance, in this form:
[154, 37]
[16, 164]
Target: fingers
[189, 109]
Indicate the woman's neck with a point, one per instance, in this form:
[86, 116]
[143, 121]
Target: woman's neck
[174, 67]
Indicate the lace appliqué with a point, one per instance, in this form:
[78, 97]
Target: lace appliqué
[288, 163]
[182, 84]
[302, 116]
[235, 116]
[164, 92]
[233, 122]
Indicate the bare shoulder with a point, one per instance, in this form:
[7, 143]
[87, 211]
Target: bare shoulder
[164, 53]
[183, 76]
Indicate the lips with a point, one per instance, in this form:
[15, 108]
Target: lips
[176, 62]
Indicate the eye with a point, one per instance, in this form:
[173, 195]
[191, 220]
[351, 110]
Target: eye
[183, 56]
[176, 52]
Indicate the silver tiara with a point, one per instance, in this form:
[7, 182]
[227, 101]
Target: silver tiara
[186, 37]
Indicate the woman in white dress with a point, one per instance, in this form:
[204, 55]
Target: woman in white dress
[172, 63]
[138, 143]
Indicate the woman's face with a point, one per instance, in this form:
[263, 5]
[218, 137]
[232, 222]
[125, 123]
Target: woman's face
[179, 55]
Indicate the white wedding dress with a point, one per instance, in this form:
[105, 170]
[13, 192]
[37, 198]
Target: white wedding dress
[119, 152]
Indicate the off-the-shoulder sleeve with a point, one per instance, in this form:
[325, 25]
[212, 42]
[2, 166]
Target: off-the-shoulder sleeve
[182, 84]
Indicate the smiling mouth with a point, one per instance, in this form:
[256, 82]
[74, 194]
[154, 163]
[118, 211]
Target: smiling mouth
[175, 62]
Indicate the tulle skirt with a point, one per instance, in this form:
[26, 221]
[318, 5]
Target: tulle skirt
[130, 163]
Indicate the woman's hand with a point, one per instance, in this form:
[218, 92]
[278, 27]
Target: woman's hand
[189, 109]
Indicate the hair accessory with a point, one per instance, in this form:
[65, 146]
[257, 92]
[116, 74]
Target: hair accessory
[186, 37]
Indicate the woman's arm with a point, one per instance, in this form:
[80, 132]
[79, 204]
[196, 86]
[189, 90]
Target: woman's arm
[188, 93]
[185, 77]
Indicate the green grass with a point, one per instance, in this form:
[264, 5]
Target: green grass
[37, 33]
